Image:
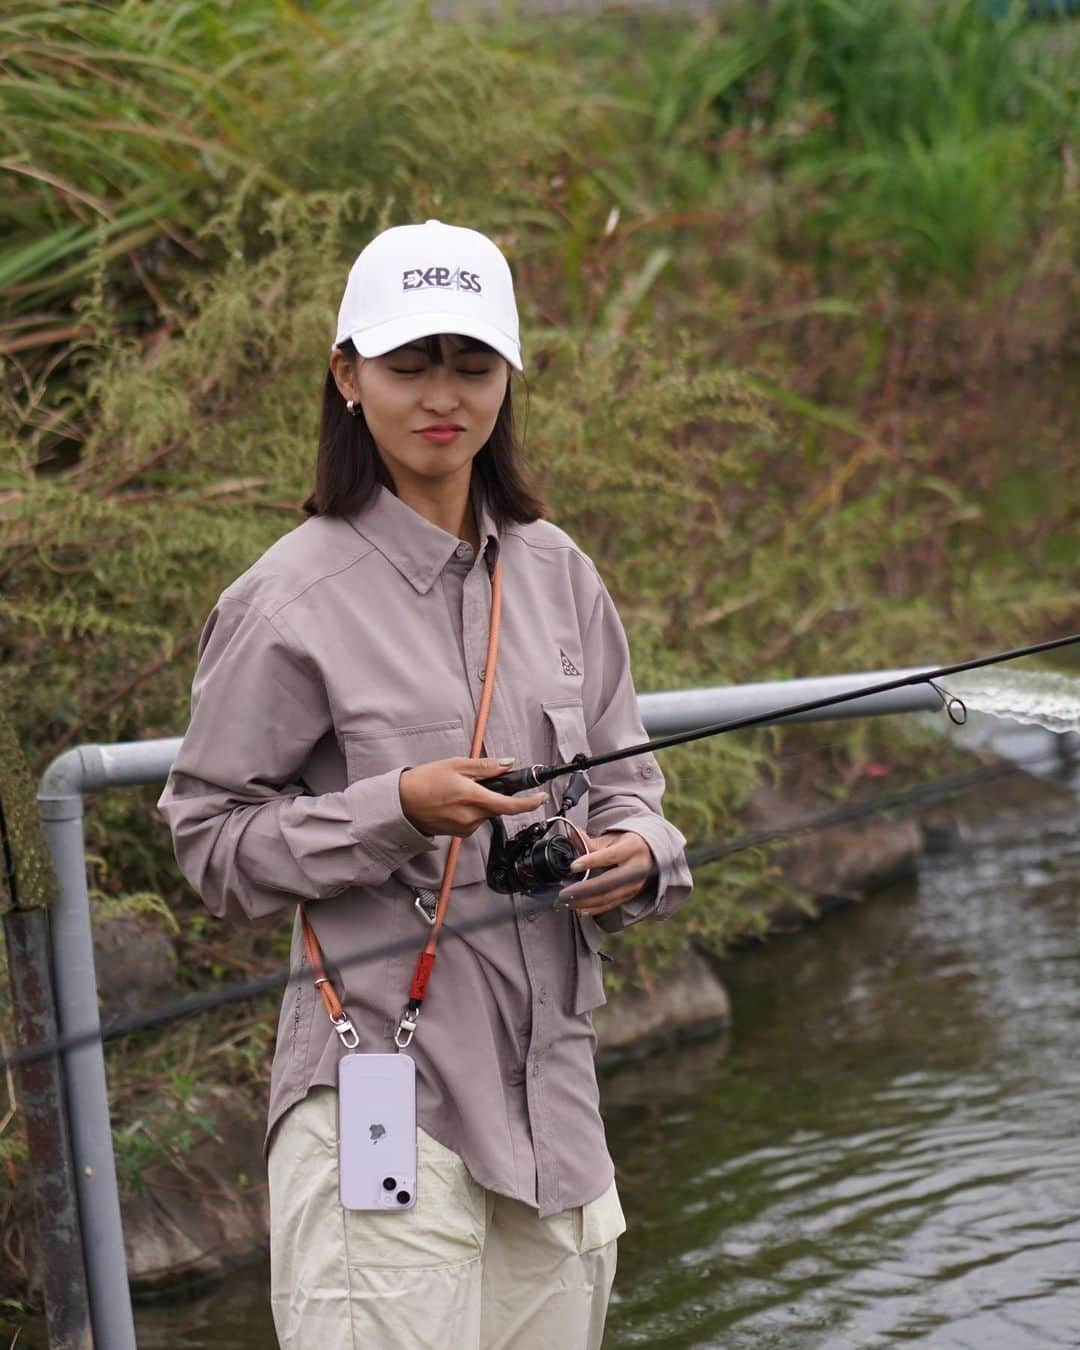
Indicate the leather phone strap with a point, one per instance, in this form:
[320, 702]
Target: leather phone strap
[421, 975]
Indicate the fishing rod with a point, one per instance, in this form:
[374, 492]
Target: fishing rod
[536, 859]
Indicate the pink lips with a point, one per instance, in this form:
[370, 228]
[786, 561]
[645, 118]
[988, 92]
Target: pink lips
[440, 435]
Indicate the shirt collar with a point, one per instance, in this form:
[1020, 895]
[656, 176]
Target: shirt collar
[416, 547]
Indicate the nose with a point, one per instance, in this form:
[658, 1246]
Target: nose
[441, 391]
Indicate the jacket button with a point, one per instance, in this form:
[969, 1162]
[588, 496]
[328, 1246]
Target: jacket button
[482, 673]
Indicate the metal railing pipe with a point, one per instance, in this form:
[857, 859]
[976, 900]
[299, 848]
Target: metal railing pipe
[60, 802]
[668, 714]
[125, 763]
[132, 763]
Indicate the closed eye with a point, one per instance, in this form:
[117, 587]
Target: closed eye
[419, 370]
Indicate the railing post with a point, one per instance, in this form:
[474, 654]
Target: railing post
[60, 801]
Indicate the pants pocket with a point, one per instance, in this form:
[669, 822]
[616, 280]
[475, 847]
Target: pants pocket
[602, 1220]
[445, 1227]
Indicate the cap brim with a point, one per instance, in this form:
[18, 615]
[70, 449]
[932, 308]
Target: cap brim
[384, 337]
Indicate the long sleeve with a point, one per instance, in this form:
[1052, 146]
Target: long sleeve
[626, 794]
[246, 834]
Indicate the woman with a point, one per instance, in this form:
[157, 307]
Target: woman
[326, 767]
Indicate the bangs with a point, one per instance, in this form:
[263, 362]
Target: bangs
[432, 345]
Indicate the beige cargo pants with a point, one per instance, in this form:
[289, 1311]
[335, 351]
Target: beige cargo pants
[464, 1269]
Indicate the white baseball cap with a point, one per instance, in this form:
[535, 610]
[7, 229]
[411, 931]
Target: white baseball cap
[415, 280]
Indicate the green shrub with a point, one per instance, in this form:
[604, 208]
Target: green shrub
[892, 141]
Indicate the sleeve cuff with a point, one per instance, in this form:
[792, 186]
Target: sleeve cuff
[657, 834]
[382, 828]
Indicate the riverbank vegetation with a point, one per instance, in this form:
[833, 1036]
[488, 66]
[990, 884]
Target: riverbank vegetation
[798, 294]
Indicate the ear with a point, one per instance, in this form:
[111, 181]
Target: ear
[345, 370]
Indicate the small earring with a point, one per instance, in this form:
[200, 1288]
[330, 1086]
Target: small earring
[353, 408]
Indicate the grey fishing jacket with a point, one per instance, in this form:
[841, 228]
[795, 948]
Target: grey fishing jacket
[353, 648]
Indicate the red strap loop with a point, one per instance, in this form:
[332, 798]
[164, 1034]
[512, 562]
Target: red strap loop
[425, 964]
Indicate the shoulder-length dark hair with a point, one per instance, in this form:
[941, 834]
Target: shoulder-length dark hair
[349, 468]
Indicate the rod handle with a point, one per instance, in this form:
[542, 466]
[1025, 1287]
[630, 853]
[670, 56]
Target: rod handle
[517, 780]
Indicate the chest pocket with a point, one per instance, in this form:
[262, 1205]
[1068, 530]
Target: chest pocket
[567, 738]
[373, 752]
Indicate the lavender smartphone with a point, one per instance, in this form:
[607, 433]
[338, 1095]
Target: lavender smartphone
[377, 1131]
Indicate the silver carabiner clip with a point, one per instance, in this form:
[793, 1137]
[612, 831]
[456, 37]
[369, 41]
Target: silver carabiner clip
[346, 1032]
[426, 913]
[406, 1027]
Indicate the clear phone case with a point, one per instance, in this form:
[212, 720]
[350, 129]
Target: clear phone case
[377, 1131]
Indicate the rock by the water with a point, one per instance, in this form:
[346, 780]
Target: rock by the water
[207, 1212]
[136, 965]
[687, 997]
[842, 862]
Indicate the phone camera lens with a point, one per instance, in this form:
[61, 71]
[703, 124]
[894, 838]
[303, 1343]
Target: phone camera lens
[403, 1197]
[389, 1183]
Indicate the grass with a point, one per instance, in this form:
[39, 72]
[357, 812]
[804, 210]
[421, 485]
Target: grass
[124, 128]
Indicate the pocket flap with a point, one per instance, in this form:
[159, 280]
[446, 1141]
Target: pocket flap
[371, 752]
[568, 738]
[568, 728]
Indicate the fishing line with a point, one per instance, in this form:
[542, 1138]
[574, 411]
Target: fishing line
[704, 854]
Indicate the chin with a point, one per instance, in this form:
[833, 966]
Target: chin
[438, 466]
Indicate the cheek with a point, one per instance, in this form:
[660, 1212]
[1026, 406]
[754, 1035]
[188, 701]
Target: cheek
[489, 400]
[385, 406]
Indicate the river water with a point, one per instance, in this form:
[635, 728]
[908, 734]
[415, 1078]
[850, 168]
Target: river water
[885, 1151]
[890, 1152]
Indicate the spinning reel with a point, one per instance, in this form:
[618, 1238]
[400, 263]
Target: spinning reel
[538, 857]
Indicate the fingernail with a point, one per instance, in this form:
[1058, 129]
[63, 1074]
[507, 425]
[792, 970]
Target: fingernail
[577, 865]
[506, 761]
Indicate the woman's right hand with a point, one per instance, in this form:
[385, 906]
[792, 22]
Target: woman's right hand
[443, 797]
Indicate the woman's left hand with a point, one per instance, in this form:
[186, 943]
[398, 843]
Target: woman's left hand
[628, 866]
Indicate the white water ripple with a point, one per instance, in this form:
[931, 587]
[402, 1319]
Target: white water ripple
[1046, 699]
